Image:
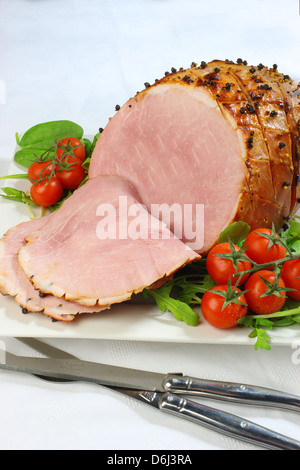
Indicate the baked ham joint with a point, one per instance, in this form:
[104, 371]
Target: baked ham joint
[219, 134]
[223, 136]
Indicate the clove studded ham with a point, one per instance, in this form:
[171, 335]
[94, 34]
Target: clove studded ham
[101, 246]
[180, 161]
[221, 135]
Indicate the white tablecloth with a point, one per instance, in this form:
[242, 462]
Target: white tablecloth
[69, 59]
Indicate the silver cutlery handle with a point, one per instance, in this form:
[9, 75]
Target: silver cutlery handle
[230, 391]
[226, 423]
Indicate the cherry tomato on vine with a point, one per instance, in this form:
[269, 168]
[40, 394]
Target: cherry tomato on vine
[256, 287]
[257, 247]
[47, 192]
[217, 316]
[291, 277]
[220, 269]
[39, 170]
[73, 174]
[68, 144]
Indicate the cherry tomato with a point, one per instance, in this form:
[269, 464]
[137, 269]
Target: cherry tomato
[220, 269]
[256, 288]
[257, 247]
[47, 192]
[68, 144]
[73, 175]
[212, 304]
[291, 277]
[39, 170]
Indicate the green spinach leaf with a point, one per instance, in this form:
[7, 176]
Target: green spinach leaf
[236, 232]
[42, 136]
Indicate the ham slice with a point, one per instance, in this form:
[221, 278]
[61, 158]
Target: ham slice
[15, 283]
[223, 135]
[94, 252]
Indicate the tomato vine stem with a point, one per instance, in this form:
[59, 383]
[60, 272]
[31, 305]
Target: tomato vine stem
[271, 264]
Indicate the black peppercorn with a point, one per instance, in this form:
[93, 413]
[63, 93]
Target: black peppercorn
[253, 96]
[243, 110]
[117, 107]
[252, 70]
[250, 143]
[273, 113]
[266, 87]
[209, 82]
[187, 79]
[227, 87]
[250, 108]
[281, 145]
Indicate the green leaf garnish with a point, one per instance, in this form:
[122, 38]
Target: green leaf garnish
[237, 232]
[181, 310]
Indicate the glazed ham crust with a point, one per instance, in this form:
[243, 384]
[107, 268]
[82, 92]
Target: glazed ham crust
[258, 104]
[260, 101]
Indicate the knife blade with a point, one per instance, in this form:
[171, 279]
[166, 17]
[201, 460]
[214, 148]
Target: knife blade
[72, 368]
[75, 369]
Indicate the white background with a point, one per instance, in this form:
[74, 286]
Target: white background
[71, 59]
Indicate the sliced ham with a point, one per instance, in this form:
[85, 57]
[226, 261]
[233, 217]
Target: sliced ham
[93, 252]
[223, 135]
[15, 283]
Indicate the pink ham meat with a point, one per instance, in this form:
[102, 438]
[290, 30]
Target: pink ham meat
[92, 252]
[15, 283]
[223, 135]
